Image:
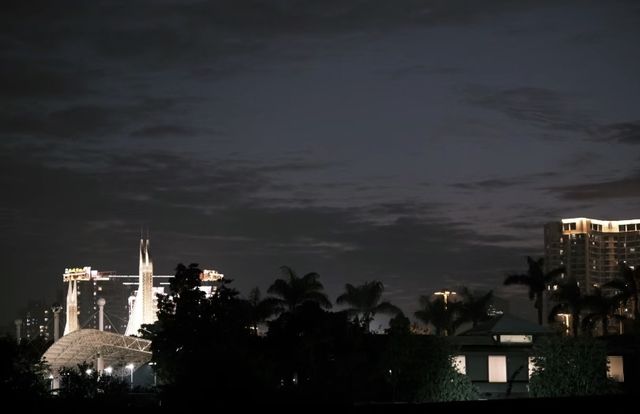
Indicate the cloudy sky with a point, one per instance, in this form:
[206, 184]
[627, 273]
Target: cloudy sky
[422, 143]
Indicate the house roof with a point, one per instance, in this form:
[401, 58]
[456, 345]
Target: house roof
[506, 324]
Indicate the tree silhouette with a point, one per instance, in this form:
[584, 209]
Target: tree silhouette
[364, 302]
[628, 284]
[261, 309]
[203, 343]
[292, 291]
[474, 308]
[22, 373]
[569, 300]
[600, 307]
[567, 367]
[437, 313]
[536, 280]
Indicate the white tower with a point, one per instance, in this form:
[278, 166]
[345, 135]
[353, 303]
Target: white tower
[101, 303]
[143, 309]
[56, 309]
[18, 323]
[72, 307]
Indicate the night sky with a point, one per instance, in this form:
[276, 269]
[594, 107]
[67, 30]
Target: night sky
[420, 143]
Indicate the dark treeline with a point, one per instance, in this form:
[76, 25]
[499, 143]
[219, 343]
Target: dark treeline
[291, 347]
[209, 348]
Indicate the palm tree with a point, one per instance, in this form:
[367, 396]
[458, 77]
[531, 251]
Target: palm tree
[600, 307]
[569, 300]
[474, 308]
[628, 284]
[536, 280]
[292, 291]
[438, 314]
[364, 302]
[260, 309]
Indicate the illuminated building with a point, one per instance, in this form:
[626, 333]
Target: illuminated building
[591, 250]
[130, 299]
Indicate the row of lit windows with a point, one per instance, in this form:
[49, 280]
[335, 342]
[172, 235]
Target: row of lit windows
[598, 227]
[497, 367]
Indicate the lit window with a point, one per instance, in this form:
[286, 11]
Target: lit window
[532, 367]
[497, 368]
[615, 368]
[460, 364]
[515, 339]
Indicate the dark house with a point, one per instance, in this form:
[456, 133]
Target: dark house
[496, 355]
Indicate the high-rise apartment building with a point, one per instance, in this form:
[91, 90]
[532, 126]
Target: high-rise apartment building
[37, 321]
[591, 250]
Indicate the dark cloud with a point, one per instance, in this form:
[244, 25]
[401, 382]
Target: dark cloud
[505, 183]
[621, 132]
[495, 184]
[418, 70]
[626, 187]
[220, 216]
[86, 122]
[164, 131]
[298, 148]
[22, 78]
[536, 106]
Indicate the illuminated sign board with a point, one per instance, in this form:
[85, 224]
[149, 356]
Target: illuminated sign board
[78, 273]
[210, 276]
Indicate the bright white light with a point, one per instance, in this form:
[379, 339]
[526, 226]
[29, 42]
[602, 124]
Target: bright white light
[108, 370]
[50, 376]
[130, 366]
[89, 371]
[460, 364]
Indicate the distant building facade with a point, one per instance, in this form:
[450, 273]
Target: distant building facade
[591, 250]
[119, 292]
[37, 321]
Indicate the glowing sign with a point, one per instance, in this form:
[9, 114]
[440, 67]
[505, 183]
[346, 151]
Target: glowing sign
[210, 276]
[77, 273]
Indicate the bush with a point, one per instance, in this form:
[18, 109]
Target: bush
[567, 367]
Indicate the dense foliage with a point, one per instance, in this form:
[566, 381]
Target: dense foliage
[204, 345]
[22, 374]
[567, 366]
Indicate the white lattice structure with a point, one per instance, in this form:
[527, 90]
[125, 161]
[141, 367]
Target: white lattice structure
[86, 345]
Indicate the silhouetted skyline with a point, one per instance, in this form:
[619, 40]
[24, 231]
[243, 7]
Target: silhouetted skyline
[420, 143]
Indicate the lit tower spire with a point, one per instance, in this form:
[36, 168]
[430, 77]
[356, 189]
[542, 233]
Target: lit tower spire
[143, 308]
[72, 307]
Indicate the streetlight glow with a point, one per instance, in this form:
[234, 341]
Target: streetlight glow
[445, 294]
[566, 321]
[130, 368]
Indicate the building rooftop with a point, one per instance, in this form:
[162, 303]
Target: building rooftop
[506, 324]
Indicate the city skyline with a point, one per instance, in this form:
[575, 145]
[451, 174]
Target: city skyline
[422, 145]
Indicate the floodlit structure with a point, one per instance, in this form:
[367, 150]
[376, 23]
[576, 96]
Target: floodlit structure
[144, 311]
[591, 250]
[88, 345]
[131, 298]
[109, 352]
